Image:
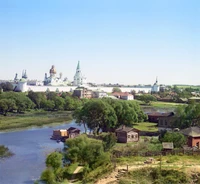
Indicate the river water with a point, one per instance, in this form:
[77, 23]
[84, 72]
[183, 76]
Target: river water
[30, 148]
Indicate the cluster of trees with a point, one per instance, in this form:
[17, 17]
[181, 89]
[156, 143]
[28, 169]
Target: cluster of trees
[187, 115]
[51, 101]
[105, 114]
[7, 86]
[146, 98]
[93, 154]
[177, 138]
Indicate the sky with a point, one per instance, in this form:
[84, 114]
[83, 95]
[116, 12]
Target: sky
[116, 41]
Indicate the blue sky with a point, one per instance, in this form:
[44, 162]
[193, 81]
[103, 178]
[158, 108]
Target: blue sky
[116, 41]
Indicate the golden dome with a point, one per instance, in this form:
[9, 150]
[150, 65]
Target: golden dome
[52, 70]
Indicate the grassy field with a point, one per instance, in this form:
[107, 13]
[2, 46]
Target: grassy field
[159, 104]
[29, 119]
[188, 86]
[166, 104]
[146, 126]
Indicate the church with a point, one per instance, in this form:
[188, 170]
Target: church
[79, 79]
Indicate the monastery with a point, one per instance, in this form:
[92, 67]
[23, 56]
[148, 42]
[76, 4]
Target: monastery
[58, 84]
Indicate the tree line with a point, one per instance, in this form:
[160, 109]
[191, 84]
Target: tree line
[49, 101]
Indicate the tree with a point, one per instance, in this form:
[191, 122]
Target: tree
[188, 115]
[116, 89]
[48, 105]
[69, 103]
[146, 98]
[127, 112]
[109, 141]
[97, 114]
[7, 105]
[48, 176]
[36, 98]
[177, 138]
[54, 160]
[21, 100]
[59, 103]
[6, 86]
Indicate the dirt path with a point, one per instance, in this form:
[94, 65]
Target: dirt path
[113, 177]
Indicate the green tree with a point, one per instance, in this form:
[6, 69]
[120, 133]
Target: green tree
[7, 105]
[37, 98]
[97, 115]
[21, 100]
[59, 103]
[7, 86]
[48, 105]
[109, 141]
[177, 138]
[116, 89]
[54, 160]
[69, 103]
[187, 115]
[48, 176]
[146, 98]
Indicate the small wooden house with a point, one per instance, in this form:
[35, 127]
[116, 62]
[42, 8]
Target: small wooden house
[127, 134]
[167, 146]
[73, 132]
[58, 134]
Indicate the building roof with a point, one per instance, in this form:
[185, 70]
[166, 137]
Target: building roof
[159, 114]
[72, 129]
[123, 128]
[191, 131]
[168, 145]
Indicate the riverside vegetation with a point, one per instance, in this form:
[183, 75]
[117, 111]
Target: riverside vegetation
[21, 110]
[5, 152]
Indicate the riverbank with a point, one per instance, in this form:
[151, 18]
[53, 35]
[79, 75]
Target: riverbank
[37, 119]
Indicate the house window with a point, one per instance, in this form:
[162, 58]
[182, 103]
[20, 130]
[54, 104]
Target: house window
[129, 136]
[161, 122]
[165, 122]
[132, 136]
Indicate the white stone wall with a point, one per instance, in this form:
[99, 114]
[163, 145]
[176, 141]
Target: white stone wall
[24, 87]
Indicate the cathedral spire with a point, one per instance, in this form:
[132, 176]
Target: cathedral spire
[78, 66]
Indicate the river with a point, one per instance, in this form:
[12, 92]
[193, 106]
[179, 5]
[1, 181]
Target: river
[30, 148]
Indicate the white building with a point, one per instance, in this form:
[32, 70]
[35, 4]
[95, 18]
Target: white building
[79, 79]
[99, 94]
[53, 80]
[127, 97]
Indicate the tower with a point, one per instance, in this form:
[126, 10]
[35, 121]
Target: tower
[155, 88]
[78, 77]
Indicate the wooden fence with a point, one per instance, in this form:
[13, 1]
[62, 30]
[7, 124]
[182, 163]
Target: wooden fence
[118, 154]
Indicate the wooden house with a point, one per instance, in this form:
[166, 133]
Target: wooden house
[127, 134]
[73, 132]
[167, 146]
[155, 116]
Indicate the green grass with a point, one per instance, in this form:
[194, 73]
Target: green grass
[146, 126]
[165, 104]
[21, 121]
